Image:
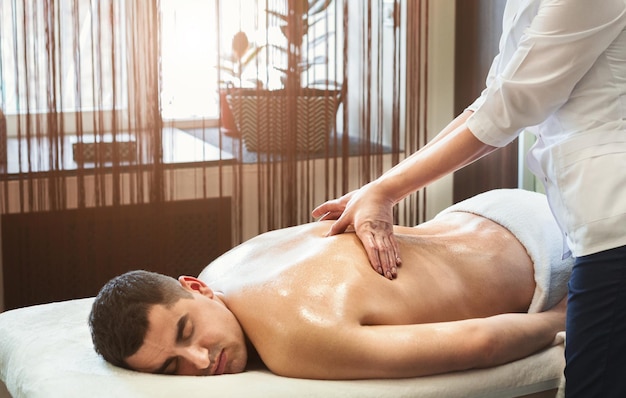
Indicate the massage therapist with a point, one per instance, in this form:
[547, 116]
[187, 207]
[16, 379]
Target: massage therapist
[561, 74]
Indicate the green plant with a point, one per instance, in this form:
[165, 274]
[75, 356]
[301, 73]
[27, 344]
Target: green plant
[297, 113]
[242, 54]
[296, 23]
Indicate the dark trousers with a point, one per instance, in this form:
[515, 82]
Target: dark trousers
[595, 349]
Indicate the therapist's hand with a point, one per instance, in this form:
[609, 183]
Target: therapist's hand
[332, 209]
[371, 214]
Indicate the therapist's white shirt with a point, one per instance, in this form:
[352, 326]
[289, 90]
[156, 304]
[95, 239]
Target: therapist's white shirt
[561, 73]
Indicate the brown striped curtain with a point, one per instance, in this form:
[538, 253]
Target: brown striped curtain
[84, 102]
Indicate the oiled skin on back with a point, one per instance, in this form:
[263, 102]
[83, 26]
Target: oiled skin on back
[296, 286]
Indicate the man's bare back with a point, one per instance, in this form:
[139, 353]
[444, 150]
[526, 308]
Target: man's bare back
[308, 287]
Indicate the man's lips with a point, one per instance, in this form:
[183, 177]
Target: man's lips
[220, 366]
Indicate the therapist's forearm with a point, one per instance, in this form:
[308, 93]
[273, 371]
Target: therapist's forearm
[452, 149]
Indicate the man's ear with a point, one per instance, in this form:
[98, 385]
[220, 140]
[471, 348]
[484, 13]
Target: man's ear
[194, 284]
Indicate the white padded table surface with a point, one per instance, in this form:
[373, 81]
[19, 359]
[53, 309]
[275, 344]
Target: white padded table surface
[46, 352]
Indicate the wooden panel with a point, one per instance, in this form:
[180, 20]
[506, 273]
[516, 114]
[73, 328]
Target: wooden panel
[59, 255]
[478, 29]
[3, 143]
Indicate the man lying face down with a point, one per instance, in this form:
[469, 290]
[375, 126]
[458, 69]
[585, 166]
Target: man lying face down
[312, 307]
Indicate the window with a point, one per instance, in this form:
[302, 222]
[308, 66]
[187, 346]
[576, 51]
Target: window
[192, 39]
[188, 48]
[78, 50]
[69, 50]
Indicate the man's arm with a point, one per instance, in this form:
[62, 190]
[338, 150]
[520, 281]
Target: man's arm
[397, 351]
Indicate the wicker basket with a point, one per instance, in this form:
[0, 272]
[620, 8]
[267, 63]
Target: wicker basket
[264, 119]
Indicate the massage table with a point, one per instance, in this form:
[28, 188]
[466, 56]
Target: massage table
[46, 352]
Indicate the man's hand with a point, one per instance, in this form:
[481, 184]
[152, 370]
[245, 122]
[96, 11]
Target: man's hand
[372, 218]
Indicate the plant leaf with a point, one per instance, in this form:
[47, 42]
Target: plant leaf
[250, 55]
[277, 14]
[240, 44]
[317, 6]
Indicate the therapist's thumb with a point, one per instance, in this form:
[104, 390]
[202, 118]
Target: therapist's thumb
[338, 227]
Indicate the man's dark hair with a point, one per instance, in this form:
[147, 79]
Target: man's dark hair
[119, 314]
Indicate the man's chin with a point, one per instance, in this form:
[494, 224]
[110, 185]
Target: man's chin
[231, 362]
[237, 366]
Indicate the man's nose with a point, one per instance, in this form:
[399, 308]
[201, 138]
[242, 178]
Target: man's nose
[197, 356]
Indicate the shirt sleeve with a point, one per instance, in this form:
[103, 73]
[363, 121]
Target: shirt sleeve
[560, 46]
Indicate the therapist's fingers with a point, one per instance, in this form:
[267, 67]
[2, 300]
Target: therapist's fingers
[395, 258]
[339, 226]
[332, 209]
[389, 256]
[381, 247]
[334, 206]
[323, 209]
[330, 215]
